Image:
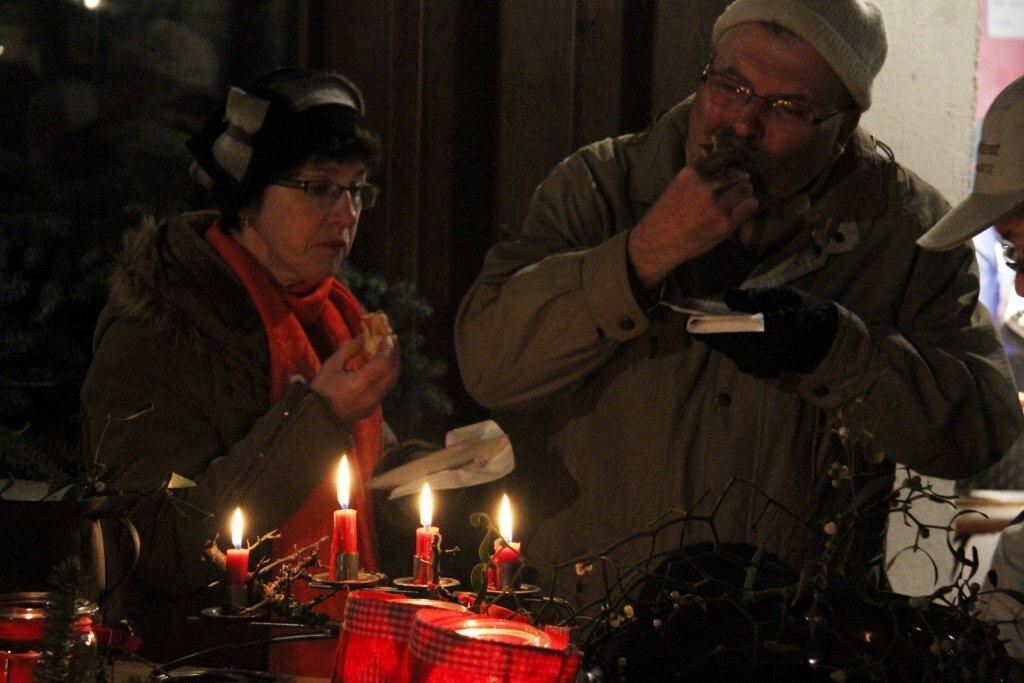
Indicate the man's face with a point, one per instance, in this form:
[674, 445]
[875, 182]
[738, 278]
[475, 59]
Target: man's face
[1012, 230]
[781, 65]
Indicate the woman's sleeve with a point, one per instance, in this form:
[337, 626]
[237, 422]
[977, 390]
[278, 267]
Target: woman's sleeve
[269, 471]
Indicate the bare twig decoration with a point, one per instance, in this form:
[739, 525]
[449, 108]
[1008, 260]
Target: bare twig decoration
[831, 617]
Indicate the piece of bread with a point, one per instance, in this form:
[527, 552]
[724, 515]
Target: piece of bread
[375, 328]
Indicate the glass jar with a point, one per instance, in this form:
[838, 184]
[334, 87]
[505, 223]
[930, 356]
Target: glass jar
[22, 624]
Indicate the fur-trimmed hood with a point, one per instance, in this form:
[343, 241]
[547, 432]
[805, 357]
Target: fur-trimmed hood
[169, 279]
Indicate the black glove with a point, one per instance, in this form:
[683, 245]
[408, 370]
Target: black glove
[798, 332]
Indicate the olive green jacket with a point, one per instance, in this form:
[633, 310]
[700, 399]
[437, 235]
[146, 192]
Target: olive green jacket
[180, 334]
[618, 415]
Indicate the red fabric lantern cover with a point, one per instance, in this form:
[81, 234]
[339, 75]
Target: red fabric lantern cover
[373, 646]
[454, 648]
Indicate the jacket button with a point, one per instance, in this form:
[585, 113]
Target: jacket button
[817, 250]
[821, 391]
[723, 399]
[627, 323]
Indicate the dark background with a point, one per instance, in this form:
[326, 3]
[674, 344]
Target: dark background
[476, 101]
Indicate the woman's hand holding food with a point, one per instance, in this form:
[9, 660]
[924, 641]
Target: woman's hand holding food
[354, 394]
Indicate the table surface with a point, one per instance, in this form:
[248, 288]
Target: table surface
[124, 671]
[989, 514]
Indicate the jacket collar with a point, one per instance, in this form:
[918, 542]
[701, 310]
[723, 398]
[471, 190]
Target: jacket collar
[171, 280]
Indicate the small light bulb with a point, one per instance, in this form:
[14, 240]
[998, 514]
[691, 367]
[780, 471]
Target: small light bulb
[1, 49]
[91, 4]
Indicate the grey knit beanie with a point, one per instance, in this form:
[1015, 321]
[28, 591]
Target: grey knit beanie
[848, 34]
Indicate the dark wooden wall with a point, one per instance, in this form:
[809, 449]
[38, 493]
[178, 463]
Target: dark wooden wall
[476, 101]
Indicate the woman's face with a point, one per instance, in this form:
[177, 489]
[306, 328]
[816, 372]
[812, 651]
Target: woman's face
[295, 238]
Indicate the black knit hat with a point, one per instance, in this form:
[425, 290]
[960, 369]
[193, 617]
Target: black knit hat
[265, 128]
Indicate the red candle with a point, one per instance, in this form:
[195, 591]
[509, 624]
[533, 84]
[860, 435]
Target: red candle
[345, 531]
[344, 538]
[238, 557]
[506, 553]
[425, 536]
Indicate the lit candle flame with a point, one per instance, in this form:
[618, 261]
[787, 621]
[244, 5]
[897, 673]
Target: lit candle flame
[237, 524]
[344, 482]
[505, 519]
[426, 506]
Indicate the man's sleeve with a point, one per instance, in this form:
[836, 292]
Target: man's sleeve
[936, 390]
[552, 305]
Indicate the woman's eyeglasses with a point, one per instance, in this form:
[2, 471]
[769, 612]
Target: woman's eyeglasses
[323, 194]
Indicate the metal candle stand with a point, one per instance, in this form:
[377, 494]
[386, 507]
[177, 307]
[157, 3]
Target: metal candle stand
[238, 599]
[347, 566]
[507, 575]
[426, 575]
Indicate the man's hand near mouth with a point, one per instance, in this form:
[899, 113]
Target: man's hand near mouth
[700, 208]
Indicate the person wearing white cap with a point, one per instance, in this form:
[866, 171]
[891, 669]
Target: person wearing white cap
[759, 189]
[997, 193]
[993, 215]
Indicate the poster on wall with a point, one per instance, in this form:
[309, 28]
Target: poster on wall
[1006, 18]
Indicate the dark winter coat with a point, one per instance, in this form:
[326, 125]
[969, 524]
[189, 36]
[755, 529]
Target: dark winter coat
[180, 334]
[618, 415]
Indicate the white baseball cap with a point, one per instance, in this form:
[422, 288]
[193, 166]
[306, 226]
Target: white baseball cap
[998, 185]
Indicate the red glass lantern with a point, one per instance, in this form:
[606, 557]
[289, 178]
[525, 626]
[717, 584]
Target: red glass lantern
[22, 622]
[451, 648]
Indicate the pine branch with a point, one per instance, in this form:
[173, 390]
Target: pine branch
[65, 657]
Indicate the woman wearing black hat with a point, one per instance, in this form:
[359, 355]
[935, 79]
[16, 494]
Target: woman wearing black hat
[232, 325]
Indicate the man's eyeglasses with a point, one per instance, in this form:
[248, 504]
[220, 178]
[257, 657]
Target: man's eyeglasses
[728, 93]
[1012, 258]
[323, 194]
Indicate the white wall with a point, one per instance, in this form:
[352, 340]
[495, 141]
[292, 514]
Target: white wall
[924, 109]
[924, 96]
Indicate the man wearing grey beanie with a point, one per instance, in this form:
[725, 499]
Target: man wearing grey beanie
[759, 192]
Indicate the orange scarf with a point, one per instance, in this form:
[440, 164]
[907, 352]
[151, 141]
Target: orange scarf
[331, 310]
